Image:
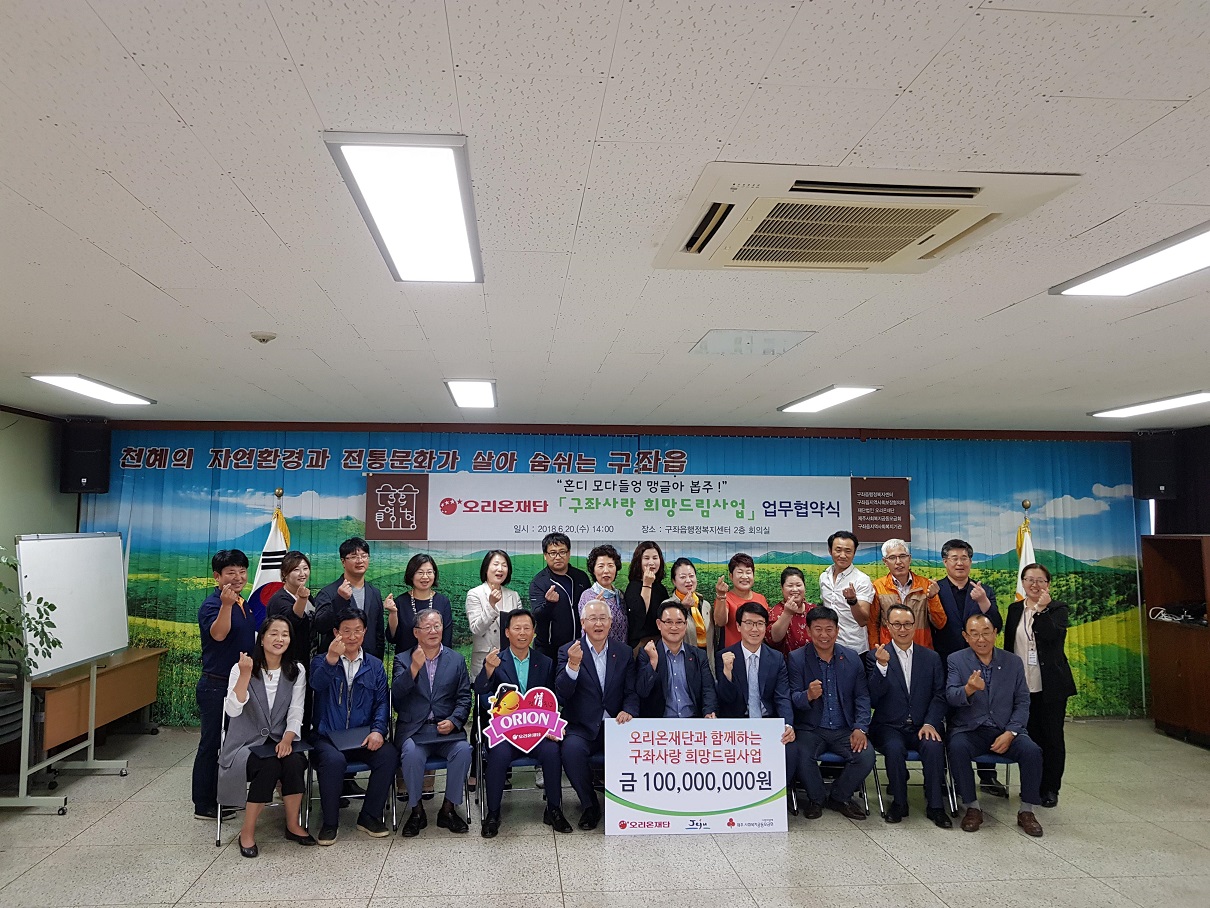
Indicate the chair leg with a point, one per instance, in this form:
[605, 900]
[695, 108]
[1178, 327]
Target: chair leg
[865, 801]
[878, 791]
[218, 827]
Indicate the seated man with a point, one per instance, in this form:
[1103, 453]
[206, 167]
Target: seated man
[432, 693]
[523, 668]
[907, 692]
[987, 690]
[673, 681]
[752, 682]
[350, 688]
[831, 713]
[592, 691]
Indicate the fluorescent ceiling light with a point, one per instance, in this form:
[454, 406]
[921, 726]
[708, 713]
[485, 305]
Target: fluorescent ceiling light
[1164, 261]
[481, 394]
[95, 389]
[1156, 406]
[828, 397]
[415, 195]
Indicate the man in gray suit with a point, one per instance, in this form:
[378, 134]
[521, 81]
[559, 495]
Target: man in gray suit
[987, 690]
[432, 694]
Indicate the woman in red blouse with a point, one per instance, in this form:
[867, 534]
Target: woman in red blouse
[788, 619]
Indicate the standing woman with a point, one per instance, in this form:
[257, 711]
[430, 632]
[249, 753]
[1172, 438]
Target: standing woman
[1035, 629]
[293, 602]
[645, 589]
[684, 589]
[421, 576]
[264, 705]
[788, 619]
[486, 603]
[603, 564]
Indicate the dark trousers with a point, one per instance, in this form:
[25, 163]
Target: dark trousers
[330, 767]
[265, 772]
[453, 748]
[577, 755]
[1046, 728]
[811, 743]
[502, 755]
[894, 743]
[969, 743]
[210, 695]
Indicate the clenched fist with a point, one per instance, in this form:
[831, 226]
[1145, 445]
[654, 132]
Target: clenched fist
[728, 663]
[245, 666]
[815, 690]
[652, 654]
[345, 590]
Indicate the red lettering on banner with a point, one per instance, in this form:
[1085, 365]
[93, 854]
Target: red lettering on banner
[132, 458]
[506, 461]
[562, 462]
[157, 459]
[447, 460]
[243, 458]
[182, 459]
[675, 461]
[647, 462]
[619, 461]
[539, 463]
[268, 458]
[424, 460]
[376, 460]
[317, 458]
[220, 458]
[292, 458]
[585, 464]
[353, 458]
[401, 460]
[482, 462]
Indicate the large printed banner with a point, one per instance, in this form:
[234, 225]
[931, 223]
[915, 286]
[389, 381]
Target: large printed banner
[463, 507]
[691, 777]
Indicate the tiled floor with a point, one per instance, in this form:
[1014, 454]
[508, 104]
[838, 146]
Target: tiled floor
[1133, 828]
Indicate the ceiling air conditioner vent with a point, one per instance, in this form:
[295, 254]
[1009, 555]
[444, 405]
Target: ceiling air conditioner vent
[889, 190]
[843, 219]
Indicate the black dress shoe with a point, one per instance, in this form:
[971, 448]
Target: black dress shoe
[553, 817]
[351, 788]
[416, 822]
[491, 826]
[940, 817]
[590, 818]
[1050, 799]
[305, 839]
[845, 808]
[327, 835]
[991, 784]
[449, 818]
[895, 813]
[212, 813]
[250, 852]
[812, 810]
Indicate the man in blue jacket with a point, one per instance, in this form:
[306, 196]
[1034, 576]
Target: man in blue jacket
[831, 714]
[987, 690]
[350, 688]
[907, 691]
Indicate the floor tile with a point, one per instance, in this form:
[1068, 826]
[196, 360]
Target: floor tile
[14, 861]
[1139, 849]
[109, 875]
[1073, 893]
[1016, 856]
[466, 865]
[166, 748]
[906, 895]
[286, 872]
[1075, 806]
[1163, 891]
[164, 822]
[498, 900]
[173, 784]
[105, 786]
[806, 858]
[42, 826]
[1198, 831]
[284, 903]
[590, 862]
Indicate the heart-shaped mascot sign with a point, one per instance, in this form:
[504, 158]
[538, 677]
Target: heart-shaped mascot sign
[523, 720]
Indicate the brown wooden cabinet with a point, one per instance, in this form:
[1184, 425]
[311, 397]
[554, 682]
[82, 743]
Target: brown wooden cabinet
[1175, 570]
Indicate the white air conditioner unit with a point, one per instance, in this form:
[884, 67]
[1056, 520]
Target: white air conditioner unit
[806, 218]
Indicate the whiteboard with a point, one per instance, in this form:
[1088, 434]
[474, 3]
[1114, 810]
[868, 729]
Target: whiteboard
[84, 575]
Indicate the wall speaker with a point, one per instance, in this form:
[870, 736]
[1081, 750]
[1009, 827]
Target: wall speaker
[84, 457]
[1153, 462]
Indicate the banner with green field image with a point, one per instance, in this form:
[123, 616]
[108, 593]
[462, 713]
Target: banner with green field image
[178, 496]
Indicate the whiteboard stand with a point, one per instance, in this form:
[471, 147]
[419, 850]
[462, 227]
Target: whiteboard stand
[85, 574]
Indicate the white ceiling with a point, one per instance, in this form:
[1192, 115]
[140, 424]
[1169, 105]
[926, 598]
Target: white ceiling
[165, 190]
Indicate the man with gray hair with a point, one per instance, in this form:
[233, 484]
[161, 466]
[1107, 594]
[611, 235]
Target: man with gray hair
[903, 587]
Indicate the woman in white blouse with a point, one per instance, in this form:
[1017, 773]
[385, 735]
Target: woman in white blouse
[486, 603]
[264, 703]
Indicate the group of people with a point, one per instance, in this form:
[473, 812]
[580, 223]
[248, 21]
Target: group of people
[899, 664]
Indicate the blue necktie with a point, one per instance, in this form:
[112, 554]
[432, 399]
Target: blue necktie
[754, 707]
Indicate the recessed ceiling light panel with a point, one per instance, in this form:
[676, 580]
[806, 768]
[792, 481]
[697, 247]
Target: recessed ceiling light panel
[414, 192]
[1156, 406]
[472, 394]
[1159, 263]
[94, 389]
[828, 397]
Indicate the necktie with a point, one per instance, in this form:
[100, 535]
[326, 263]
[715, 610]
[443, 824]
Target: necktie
[754, 709]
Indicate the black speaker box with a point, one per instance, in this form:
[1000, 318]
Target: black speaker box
[84, 457]
[1153, 462]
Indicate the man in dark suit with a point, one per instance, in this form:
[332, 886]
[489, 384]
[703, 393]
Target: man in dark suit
[831, 713]
[351, 590]
[751, 679]
[432, 693]
[523, 669]
[554, 596]
[594, 684]
[987, 691]
[673, 680]
[961, 598]
[907, 692]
